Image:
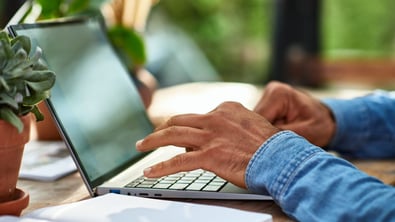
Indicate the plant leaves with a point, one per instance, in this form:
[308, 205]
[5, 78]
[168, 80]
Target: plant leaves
[8, 100]
[21, 41]
[129, 44]
[9, 116]
[41, 80]
[24, 81]
[35, 98]
[76, 6]
[50, 8]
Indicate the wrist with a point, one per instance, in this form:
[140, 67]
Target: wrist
[330, 125]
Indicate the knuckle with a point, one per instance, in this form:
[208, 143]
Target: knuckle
[170, 131]
[179, 161]
[277, 87]
[230, 104]
[227, 108]
[171, 121]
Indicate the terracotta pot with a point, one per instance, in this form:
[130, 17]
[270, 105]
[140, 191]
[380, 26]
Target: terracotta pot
[46, 129]
[146, 85]
[15, 206]
[12, 144]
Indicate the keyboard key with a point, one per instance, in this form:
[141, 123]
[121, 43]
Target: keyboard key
[196, 186]
[194, 180]
[186, 180]
[144, 186]
[212, 188]
[168, 180]
[205, 181]
[162, 185]
[178, 186]
[219, 179]
[215, 183]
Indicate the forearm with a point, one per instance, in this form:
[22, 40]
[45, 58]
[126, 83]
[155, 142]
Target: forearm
[312, 185]
[365, 126]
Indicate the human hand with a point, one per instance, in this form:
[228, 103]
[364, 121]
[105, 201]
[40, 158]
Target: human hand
[291, 109]
[222, 141]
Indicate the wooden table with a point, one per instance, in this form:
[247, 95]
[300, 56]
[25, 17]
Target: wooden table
[196, 98]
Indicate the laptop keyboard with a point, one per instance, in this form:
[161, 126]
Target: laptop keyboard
[193, 181]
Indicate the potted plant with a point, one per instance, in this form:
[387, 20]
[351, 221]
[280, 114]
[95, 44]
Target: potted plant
[24, 82]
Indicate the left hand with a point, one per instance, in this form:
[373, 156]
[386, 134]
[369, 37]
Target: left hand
[291, 109]
[222, 141]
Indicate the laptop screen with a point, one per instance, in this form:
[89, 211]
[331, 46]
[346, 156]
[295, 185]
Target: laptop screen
[94, 99]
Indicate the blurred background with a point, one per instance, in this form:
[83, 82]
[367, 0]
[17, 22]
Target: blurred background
[307, 42]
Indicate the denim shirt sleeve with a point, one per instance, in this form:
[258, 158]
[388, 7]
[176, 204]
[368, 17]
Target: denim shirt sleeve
[310, 184]
[365, 125]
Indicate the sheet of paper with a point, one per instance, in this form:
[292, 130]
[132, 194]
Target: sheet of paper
[46, 161]
[119, 208]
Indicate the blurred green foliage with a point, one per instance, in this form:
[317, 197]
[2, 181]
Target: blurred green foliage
[62, 8]
[235, 35]
[358, 28]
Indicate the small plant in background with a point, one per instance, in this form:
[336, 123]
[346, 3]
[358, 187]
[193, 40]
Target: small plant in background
[125, 20]
[24, 80]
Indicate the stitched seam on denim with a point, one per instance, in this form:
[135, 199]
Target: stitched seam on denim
[289, 172]
[260, 152]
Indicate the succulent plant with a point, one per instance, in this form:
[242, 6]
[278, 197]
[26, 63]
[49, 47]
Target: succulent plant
[24, 79]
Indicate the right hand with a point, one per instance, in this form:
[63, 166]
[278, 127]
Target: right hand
[291, 109]
[222, 141]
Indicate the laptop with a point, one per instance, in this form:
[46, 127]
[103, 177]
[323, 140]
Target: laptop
[100, 115]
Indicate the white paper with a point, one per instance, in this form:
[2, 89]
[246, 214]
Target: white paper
[46, 161]
[119, 208]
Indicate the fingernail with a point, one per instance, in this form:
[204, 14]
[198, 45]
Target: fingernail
[147, 171]
[138, 143]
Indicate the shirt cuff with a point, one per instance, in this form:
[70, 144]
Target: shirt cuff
[352, 124]
[273, 166]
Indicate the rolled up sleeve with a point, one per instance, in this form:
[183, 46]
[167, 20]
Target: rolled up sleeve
[310, 184]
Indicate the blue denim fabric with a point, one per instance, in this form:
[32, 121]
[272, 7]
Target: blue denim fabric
[310, 184]
[365, 126]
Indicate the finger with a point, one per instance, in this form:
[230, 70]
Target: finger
[182, 162]
[189, 120]
[273, 103]
[270, 108]
[175, 135]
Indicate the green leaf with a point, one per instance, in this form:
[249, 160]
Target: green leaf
[21, 41]
[36, 98]
[9, 116]
[129, 44]
[8, 100]
[4, 36]
[41, 80]
[76, 6]
[3, 84]
[7, 50]
[50, 8]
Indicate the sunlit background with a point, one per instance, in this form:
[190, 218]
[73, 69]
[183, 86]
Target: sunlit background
[237, 37]
[195, 40]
